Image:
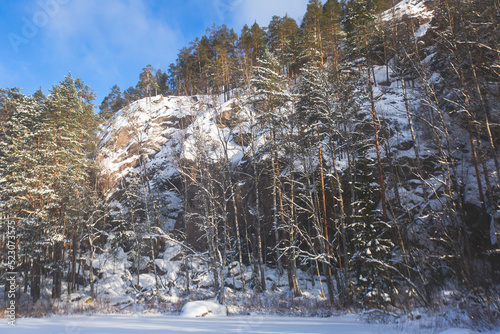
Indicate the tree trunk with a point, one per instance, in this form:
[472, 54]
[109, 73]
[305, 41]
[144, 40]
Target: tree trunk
[35, 285]
[57, 274]
[293, 281]
[326, 266]
[238, 237]
[259, 232]
[377, 147]
[476, 165]
[275, 210]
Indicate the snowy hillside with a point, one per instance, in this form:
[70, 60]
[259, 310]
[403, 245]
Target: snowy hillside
[163, 132]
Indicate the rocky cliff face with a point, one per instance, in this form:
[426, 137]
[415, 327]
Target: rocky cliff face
[151, 137]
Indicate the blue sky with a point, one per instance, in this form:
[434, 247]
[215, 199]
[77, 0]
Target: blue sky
[107, 42]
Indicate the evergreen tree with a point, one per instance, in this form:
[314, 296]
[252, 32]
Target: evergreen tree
[271, 92]
[131, 94]
[46, 169]
[362, 32]
[40, 97]
[183, 72]
[314, 108]
[24, 196]
[372, 246]
[270, 97]
[251, 46]
[331, 30]
[311, 39]
[68, 146]
[147, 84]
[282, 40]
[111, 103]
[222, 66]
[162, 81]
[252, 42]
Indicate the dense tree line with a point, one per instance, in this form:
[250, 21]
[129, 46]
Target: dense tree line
[222, 60]
[47, 180]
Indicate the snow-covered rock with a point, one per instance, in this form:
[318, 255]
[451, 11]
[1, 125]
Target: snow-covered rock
[203, 308]
[162, 132]
[421, 9]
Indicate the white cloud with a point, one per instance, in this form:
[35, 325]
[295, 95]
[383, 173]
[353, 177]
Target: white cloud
[103, 33]
[262, 11]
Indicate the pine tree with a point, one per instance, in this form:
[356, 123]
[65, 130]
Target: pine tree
[271, 95]
[162, 81]
[223, 62]
[251, 45]
[282, 40]
[331, 30]
[314, 112]
[311, 39]
[131, 94]
[362, 32]
[270, 89]
[147, 84]
[68, 146]
[372, 246]
[111, 103]
[252, 42]
[46, 173]
[23, 194]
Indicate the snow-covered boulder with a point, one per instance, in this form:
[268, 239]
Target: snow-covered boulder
[203, 308]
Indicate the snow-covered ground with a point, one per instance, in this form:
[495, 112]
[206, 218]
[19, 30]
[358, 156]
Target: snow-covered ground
[233, 324]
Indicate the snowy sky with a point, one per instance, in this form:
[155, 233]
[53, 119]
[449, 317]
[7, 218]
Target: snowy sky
[109, 42]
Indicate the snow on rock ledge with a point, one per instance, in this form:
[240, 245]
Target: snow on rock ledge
[204, 308]
[162, 131]
[421, 9]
